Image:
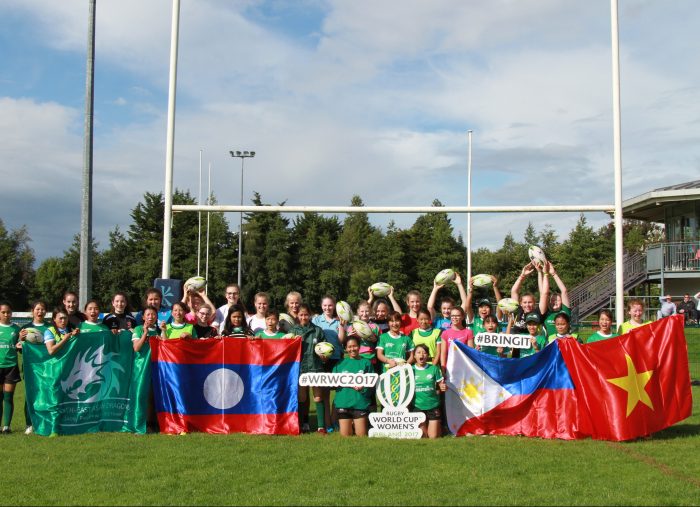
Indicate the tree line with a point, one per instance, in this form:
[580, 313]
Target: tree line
[311, 253]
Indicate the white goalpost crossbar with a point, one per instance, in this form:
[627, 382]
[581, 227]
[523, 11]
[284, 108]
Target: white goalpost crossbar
[393, 209]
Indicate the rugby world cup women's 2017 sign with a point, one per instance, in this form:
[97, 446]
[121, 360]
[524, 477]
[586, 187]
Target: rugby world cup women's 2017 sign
[514, 341]
[395, 391]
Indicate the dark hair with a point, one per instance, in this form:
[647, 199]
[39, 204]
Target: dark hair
[228, 327]
[304, 306]
[422, 346]
[447, 299]
[354, 338]
[490, 318]
[6, 303]
[38, 302]
[90, 302]
[425, 311]
[126, 298]
[151, 307]
[393, 316]
[563, 315]
[607, 313]
[182, 305]
[68, 293]
[272, 312]
[56, 311]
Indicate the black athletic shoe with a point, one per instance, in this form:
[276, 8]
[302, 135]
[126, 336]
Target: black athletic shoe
[6, 430]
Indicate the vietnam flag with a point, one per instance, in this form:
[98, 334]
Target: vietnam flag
[227, 385]
[632, 385]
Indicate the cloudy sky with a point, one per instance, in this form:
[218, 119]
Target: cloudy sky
[346, 97]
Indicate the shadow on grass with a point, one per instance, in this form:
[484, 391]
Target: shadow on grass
[677, 431]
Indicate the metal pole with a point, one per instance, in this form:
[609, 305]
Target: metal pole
[469, 203]
[199, 213]
[85, 276]
[206, 269]
[617, 143]
[240, 231]
[170, 143]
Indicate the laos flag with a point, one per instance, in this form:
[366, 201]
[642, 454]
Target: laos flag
[532, 396]
[227, 385]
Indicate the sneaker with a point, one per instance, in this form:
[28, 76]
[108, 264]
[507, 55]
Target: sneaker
[28, 430]
[6, 430]
[322, 431]
[305, 428]
[330, 430]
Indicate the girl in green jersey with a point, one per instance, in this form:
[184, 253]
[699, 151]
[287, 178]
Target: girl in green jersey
[429, 382]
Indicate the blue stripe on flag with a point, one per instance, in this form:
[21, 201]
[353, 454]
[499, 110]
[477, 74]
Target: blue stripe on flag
[266, 389]
[543, 370]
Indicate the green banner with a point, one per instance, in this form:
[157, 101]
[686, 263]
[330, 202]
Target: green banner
[95, 382]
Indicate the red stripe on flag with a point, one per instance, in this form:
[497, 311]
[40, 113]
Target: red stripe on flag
[226, 351]
[265, 424]
[546, 413]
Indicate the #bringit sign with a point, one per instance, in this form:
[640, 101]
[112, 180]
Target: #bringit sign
[514, 341]
[395, 391]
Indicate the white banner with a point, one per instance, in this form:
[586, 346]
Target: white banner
[514, 341]
[338, 379]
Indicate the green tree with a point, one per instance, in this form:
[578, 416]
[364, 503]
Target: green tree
[16, 266]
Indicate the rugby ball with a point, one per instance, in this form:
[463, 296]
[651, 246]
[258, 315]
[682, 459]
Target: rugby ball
[285, 322]
[324, 349]
[536, 255]
[344, 311]
[380, 289]
[508, 305]
[481, 280]
[362, 329]
[195, 283]
[444, 276]
[34, 336]
[399, 361]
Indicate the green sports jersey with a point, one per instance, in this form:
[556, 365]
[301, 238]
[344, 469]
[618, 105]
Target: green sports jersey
[477, 325]
[274, 336]
[429, 338]
[177, 330]
[541, 343]
[395, 347]
[138, 332]
[348, 397]
[426, 396]
[92, 327]
[310, 336]
[9, 336]
[549, 319]
[597, 336]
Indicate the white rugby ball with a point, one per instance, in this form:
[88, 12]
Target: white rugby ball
[481, 280]
[285, 322]
[508, 305]
[444, 276]
[34, 336]
[399, 361]
[344, 311]
[380, 289]
[362, 329]
[324, 349]
[536, 255]
[195, 283]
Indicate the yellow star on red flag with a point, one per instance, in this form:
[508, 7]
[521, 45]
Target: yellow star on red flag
[634, 384]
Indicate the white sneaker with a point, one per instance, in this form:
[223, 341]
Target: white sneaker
[29, 430]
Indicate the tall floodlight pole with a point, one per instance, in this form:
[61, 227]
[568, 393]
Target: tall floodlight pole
[242, 155]
[617, 143]
[85, 276]
[469, 203]
[170, 143]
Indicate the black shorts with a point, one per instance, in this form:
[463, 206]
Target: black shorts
[351, 413]
[10, 375]
[431, 415]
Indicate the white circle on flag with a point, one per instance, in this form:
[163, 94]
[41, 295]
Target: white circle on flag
[223, 388]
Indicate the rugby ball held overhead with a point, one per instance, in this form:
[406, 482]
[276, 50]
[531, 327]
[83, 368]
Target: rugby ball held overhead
[444, 276]
[508, 305]
[380, 289]
[195, 283]
[324, 349]
[344, 311]
[481, 280]
[536, 255]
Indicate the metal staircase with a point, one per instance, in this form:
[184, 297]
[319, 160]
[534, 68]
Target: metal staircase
[594, 294]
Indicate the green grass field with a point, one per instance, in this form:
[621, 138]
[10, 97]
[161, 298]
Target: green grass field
[199, 469]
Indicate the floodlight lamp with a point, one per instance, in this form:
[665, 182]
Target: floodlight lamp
[245, 153]
[252, 153]
[238, 153]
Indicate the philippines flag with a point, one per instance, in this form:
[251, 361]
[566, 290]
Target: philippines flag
[533, 396]
[226, 385]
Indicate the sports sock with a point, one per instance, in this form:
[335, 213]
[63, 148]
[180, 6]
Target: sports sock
[320, 414]
[8, 405]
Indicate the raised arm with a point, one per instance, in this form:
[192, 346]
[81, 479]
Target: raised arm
[562, 288]
[462, 293]
[468, 310]
[497, 294]
[515, 290]
[432, 298]
[543, 286]
[394, 303]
